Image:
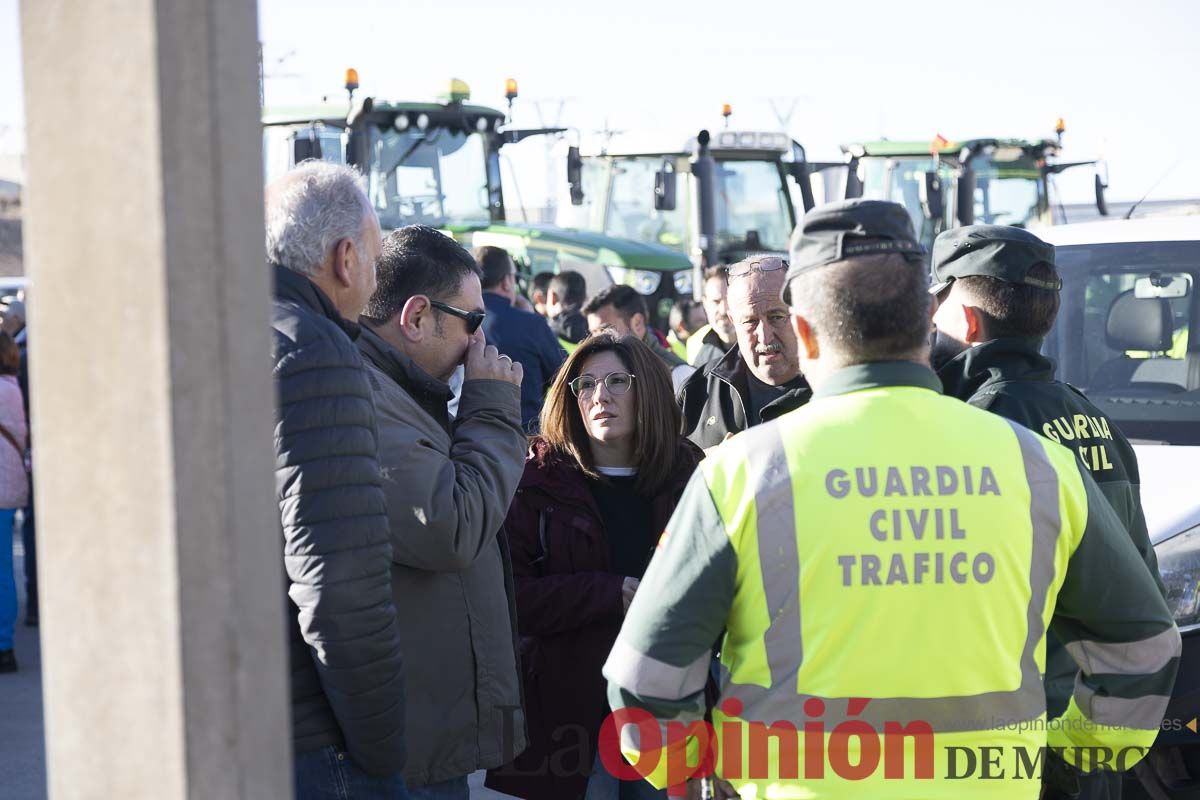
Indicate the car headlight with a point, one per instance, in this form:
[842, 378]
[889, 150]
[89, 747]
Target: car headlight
[1179, 565]
[645, 281]
[683, 283]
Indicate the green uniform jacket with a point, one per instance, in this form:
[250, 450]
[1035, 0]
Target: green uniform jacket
[1011, 377]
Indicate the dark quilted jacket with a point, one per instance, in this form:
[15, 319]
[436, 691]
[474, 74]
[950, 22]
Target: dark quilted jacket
[346, 680]
[569, 611]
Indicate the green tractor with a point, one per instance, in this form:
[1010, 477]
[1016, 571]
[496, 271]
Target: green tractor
[438, 164]
[717, 199]
[945, 184]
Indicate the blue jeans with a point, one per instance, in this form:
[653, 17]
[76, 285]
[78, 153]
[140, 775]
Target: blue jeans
[453, 789]
[605, 786]
[29, 539]
[8, 583]
[330, 774]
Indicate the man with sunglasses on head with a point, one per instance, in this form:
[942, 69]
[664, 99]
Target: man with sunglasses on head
[522, 335]
[759, 379]
[448, 486]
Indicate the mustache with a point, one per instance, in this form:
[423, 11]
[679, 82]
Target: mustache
[770, 349]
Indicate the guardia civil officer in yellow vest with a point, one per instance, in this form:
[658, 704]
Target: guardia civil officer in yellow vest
[998, 295]
[881, 567]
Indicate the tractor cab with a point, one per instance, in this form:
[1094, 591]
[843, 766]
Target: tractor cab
[438, 164]
[717, 198]
[425, 163]
[944, 184]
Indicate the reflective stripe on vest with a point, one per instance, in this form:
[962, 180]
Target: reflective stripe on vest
[778, 559]
[780, 568]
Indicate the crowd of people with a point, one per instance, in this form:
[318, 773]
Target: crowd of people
[16, 495]
[473, 486]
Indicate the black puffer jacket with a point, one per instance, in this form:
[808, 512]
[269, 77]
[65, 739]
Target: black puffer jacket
[1012, 378]
[714, 400]
[347, 685]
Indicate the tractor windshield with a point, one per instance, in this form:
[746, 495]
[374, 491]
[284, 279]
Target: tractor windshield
[901, 180]
[1007, 195]
[434, 177]
[631, 213]
[752, 206]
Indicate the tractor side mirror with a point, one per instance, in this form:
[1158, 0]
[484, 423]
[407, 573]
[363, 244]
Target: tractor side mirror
[803, 178]
[664, 188]
[933, 202]
[1101, 200]
[854, 184]
[965, 198]
[305, 145]
[575, 175]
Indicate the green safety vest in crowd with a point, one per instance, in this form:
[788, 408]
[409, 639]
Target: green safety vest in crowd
[677, 347]
[881, 568]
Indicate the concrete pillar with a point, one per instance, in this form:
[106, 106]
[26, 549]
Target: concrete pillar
[159, 547]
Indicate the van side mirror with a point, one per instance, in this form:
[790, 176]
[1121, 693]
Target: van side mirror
[932, 200]
[664, 188]
[575, 175]
[305, 145]
[964, 198]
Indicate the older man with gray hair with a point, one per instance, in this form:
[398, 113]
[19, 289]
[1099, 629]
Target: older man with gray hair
[323, 239]
[759, 379]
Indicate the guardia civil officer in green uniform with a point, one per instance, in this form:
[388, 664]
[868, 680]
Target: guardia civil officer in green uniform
[998, 295]
[882, 567]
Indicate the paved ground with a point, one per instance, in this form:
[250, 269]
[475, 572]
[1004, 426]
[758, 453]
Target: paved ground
[22, 751]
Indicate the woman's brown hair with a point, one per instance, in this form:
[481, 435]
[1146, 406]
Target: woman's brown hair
[657, 416]
[10, 355]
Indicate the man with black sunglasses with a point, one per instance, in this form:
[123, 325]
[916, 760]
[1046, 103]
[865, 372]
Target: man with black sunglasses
[523, 335]
[448, 486]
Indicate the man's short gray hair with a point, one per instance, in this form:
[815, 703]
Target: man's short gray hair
[866, 308]
[310, 210]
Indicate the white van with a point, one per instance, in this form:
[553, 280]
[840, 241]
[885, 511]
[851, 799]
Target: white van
[1128, 334]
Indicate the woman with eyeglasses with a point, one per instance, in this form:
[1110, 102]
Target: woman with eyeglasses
[601, 481]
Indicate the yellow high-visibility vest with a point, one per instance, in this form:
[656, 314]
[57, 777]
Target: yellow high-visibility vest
[899, 556]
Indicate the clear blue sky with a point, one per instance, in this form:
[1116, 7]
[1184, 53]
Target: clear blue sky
[1125, 78]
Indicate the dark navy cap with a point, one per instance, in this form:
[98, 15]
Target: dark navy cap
[996, 251]
[838, 231]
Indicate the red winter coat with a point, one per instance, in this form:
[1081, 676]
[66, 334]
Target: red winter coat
[569, 611]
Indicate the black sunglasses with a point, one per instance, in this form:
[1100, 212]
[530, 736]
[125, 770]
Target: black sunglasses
[473, 318]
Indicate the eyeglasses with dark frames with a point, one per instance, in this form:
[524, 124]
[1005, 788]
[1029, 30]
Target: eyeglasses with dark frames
[764, 264]
[473, 318]
[615, 382]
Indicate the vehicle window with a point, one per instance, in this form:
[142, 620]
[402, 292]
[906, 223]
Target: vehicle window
[751, 196]
[1102, 291]
[1006, 194]
[437, 177]
[631, 212]
[900, 180]
[1132, 351]
[278, 143]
